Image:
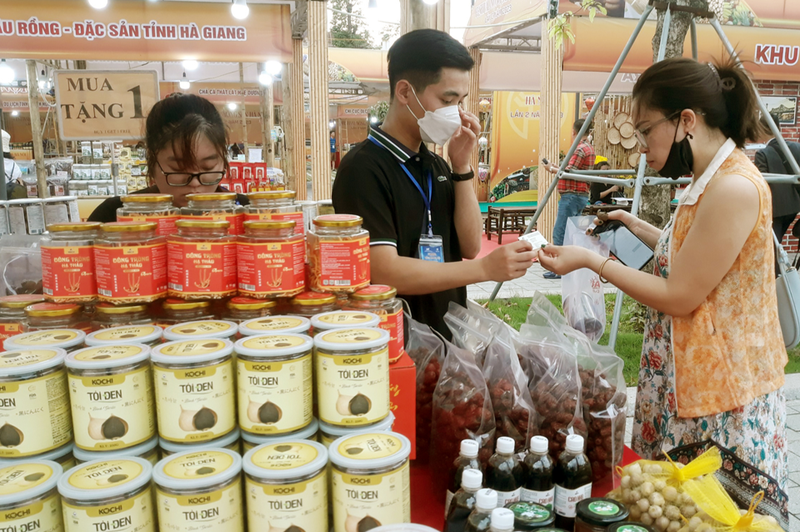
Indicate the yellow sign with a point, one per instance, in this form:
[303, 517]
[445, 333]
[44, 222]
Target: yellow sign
[104, 104]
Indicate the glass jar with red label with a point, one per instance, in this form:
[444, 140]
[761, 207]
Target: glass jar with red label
[175, 311]
[202, 260]
[240, 309]
[217, 206]
[107, 316]
[309, 304]
[43, 316]
[271, 260]
[382, 300]
[68, 262]
[156, 208]
[13, 320]
[275, 205]
[131, 263]
[338, 254]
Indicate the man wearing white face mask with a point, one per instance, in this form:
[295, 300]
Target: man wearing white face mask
[422, 215]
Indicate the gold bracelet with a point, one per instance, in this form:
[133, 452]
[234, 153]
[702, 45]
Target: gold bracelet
[600, 272]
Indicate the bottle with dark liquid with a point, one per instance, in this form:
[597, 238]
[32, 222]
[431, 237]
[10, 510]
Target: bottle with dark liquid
[505, 473]
[539, 487]
[480, 520]
[467, 459]
[573, 480]
[463, 501]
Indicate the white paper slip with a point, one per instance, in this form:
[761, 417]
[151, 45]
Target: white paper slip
[535, 238]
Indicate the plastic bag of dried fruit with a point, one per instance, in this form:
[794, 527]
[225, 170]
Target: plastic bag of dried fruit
[581, 290]
[469, 331]
[462, 410]
[717, 511]
[514, 413]
[427, 351]
[654, 491]
[604, 401]
[554, 383]
[542, 313]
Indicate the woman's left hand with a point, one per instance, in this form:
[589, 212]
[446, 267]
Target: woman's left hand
[564, 259]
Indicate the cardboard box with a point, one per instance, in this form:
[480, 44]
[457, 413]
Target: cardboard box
[403, 397]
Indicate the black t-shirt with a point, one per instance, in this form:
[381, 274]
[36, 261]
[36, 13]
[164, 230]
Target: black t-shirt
[107, 211]
[595, 189]
[371, 183]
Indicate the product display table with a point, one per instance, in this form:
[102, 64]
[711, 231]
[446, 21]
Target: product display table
[428, 509]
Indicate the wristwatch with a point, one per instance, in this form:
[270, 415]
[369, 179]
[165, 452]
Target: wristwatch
[462, 177]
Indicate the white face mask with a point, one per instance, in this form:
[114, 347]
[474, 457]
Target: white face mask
[438, 126]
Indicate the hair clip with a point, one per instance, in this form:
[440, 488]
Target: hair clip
[728, 84]
[713, 69]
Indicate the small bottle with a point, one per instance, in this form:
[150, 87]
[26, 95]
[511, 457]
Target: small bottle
[505, 473]
[463, 501]
[539, 487]
[467, 459]
[481, 517]
[573, 480]
[502, 520]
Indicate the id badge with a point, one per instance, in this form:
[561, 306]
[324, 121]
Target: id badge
[431, 248]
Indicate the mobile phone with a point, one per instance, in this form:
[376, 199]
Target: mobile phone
[545, 161]
[628, 248]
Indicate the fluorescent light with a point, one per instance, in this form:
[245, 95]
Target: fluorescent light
[239, 9]
[265, 79]
[233, 106]
[6, 73]
[184, 84]
[190, 64]
[273, 67]
[98, 4]
[332, 124]
[374, 119]
[14, 113]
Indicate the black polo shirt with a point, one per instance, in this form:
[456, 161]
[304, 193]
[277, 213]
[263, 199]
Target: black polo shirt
[107, 211]
[371, 183]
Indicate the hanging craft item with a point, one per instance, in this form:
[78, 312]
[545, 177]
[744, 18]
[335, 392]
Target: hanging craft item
[633, 159]
[620, 118]
[626, 130]
[613, 136]
[628, 143]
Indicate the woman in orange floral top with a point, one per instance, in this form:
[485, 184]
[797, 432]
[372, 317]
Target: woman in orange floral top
[713, 356]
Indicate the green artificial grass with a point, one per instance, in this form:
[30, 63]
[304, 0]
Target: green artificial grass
[629, 336]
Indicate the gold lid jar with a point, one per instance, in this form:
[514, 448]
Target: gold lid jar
[240, 309]
[338, 254]
[13, 320]
[309, 304]
[276, 205]
[174, 311]
[202, 260]
[216, 206]
[271, 260]
[107, 315]
[156, 208]
[68, 262]
[44, 316]
[382, 301]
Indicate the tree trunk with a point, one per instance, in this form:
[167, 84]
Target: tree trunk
[654, 208]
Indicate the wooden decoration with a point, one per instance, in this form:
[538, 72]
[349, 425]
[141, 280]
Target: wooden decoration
[620, 118]
[626, 130]
[613, 136]
[629, 143]
[633, 159]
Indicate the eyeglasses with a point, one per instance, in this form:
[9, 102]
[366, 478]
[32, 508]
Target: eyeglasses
[641, 134]
[181, 179]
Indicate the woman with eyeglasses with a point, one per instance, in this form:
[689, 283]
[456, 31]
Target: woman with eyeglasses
[186, 153]
[713, 358]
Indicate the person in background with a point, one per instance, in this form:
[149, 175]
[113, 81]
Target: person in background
[785, 197]
[12, 170]
[601, 193]
[574, 194]
[333, 150]
[421, 213]
[186, 153]
[713, 357]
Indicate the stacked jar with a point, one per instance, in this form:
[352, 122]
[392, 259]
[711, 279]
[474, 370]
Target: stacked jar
[107, 316]
[202, 260]
[156, 208]
[271, 259]
[240, 309]
[382, 301]
[68, 262]
[131, 262]
[13, 320]
[175, 311]
[338, 254]
[217, 206]
[309, 304]
[47, 316]
[277, 205]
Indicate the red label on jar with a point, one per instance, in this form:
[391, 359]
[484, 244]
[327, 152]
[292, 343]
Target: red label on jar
[68, 272]
[272, 268]
[202, 268]
[131, 273]
[342, 264]
[393, 324]
[166, 223]
[236, 221]
[7, 330]
[296, 217]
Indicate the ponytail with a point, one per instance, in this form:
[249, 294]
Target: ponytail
[721, 91]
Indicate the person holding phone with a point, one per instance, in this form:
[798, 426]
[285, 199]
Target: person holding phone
[713, 358]
[602, 193]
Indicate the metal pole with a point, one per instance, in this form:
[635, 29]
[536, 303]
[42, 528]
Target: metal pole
[772, 125]
[585, 127]
[694, 39]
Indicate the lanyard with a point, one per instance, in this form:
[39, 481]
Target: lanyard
[426, 199]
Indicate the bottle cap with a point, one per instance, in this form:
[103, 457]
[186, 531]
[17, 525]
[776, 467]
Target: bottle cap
[575, 443]
[505, 445]
[472, 479]
[503, 519]
[539, 444]
[469, 448]
[486, 499]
